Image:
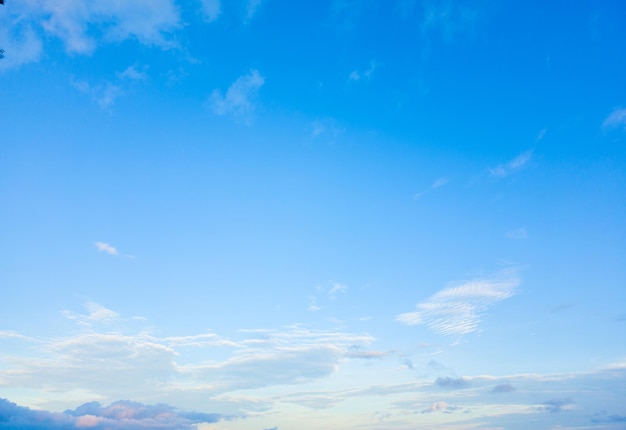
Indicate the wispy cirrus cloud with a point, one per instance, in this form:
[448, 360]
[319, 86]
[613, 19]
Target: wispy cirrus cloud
[447, 20]
[457, 310]
[438, 183]
[512, 166]
[238, 100]
[336, 289]
[95, 314]
[616, 119]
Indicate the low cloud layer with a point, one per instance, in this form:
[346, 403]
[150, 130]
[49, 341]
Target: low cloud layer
[120, 415]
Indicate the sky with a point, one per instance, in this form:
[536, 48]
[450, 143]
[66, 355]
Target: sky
[265, 214]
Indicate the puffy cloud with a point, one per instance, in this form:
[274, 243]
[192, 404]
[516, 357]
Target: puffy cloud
[238, 100]
[148, 21]
[108, 365]
[105, 247]
[457, 310]
[82, 25]
[120, 415]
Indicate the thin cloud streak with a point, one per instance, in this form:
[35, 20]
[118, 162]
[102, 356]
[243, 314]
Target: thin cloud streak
[512, 166]
[616, 119]
[457, 310]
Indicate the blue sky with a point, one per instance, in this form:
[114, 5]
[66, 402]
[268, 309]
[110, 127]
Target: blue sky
[260, 214]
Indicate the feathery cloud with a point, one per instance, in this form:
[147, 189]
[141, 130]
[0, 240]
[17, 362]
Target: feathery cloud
[457, 310]
[96, 314]
[148, 21]
[238, 100]
[337, 289]
[512, 166]
[616, 119]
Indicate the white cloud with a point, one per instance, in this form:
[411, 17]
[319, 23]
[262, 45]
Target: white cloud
[20, 43]
[616, 119]
[109, 365]
[148, 21]
[211, 9]
[131, 73]
[105, 247]
[457, 310]
[313, 307]
[512, 166]
[337, 289]
[357, 75]
[83, 25]
[252, 8]
[238, 98]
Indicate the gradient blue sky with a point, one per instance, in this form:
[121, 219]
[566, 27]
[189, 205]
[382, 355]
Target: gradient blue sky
[262, 214]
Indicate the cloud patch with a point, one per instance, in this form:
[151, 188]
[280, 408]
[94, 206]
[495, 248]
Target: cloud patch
[238, 99]
[616, 119]
[211, 9]
[452, 383]
[120, 415]
[512, 166]
[106, 248]
[457, 310]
